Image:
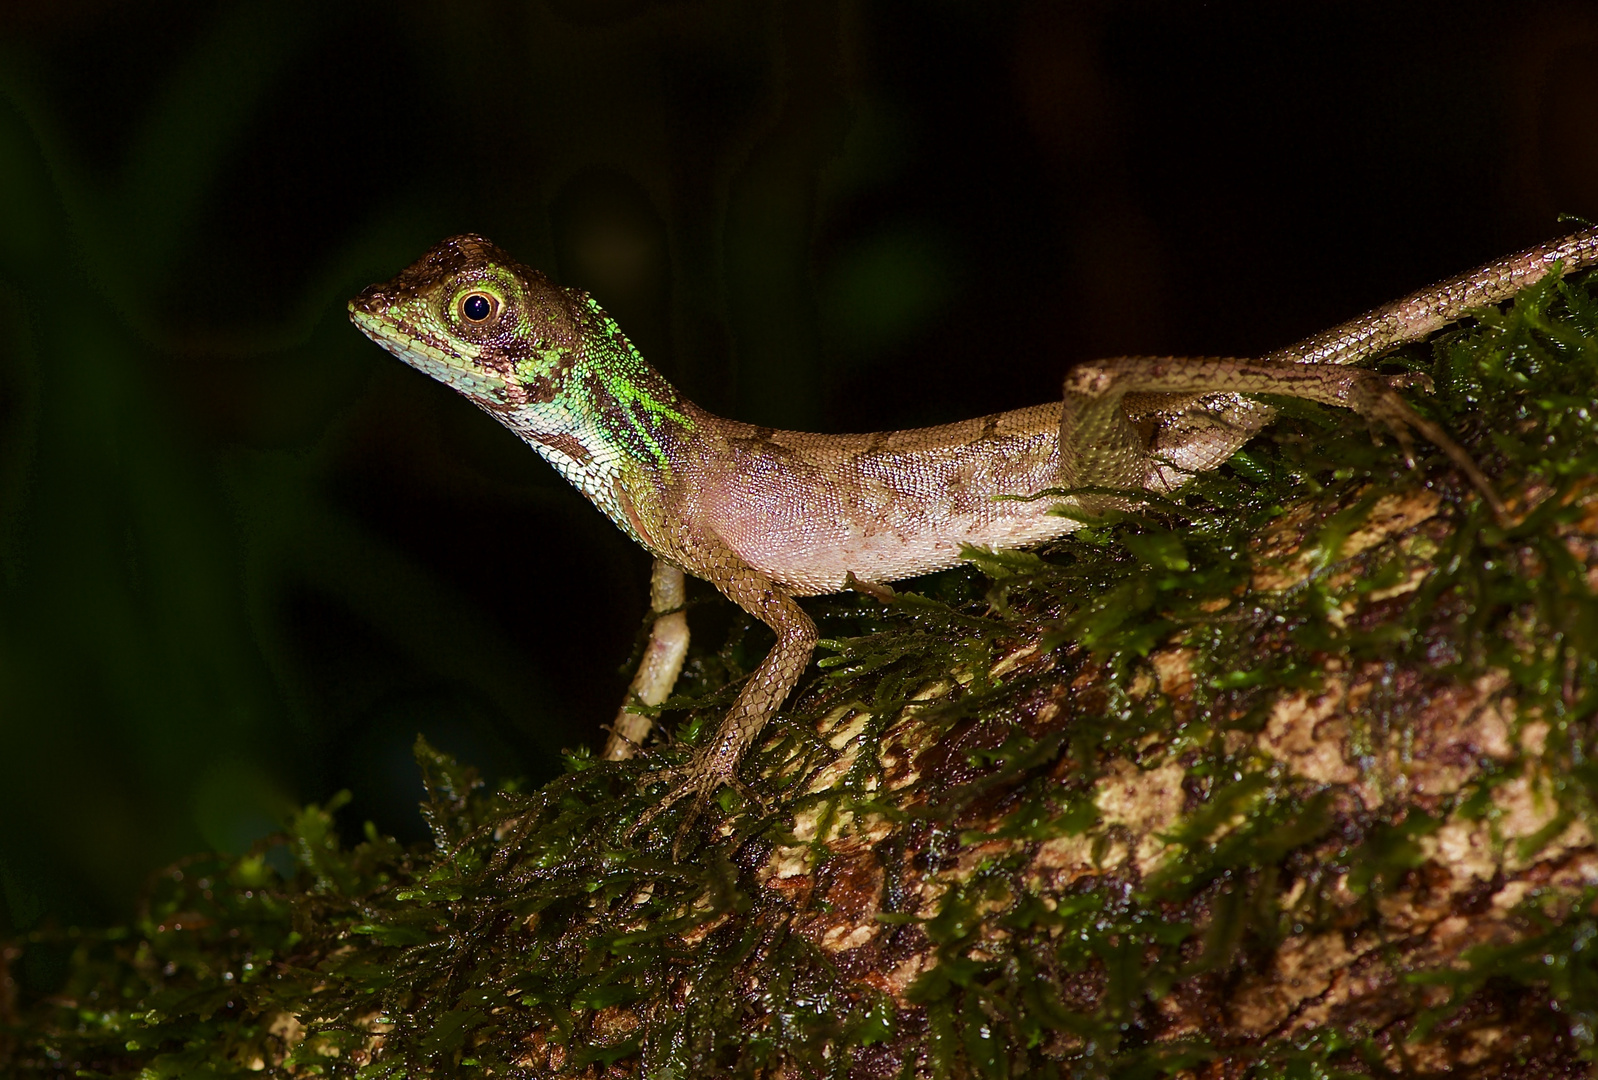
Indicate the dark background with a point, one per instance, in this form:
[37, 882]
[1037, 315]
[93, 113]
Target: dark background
[245, 555]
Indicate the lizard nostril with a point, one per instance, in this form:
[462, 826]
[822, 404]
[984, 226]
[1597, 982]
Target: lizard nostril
[371, 300]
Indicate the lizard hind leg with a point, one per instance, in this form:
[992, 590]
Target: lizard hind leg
[1100, 447]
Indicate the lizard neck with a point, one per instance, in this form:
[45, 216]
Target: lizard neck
[606, 420]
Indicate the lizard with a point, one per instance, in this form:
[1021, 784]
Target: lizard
[769, 516]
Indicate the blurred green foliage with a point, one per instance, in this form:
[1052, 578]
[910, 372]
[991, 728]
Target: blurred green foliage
[182, 583]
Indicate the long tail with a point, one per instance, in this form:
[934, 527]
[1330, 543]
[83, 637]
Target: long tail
[1429, 310]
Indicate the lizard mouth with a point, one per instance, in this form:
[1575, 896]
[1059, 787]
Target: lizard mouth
[369, 313]
[373, 316]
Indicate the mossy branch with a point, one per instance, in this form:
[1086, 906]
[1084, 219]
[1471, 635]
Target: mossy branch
[1290, 776]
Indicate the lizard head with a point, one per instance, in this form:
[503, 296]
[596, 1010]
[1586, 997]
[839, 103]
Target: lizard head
[474, 318]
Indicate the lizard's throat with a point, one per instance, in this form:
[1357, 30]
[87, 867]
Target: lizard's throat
[578, 450]
[590, 459]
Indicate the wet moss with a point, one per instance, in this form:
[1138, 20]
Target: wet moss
[1288, 776]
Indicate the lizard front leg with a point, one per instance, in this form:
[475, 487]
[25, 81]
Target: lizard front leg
[1101, 447]
[715, 764]
[660, 666]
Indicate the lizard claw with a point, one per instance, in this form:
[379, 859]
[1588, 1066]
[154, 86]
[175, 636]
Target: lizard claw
[700, 779]
[1398, 419]
[1418, 380]
[1379, 402]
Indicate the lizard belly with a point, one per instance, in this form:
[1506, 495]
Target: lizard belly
[808, 514]
[811, 561]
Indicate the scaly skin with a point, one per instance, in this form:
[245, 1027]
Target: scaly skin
[768, 515]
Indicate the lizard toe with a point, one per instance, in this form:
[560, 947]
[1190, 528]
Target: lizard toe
[699, 780]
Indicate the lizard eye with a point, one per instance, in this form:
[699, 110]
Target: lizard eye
[477, 307]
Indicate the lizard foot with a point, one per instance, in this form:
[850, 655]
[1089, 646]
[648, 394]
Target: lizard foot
[700, 779]
[1380, 402]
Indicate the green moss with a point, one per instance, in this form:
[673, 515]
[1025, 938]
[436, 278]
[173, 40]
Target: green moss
[990, 704]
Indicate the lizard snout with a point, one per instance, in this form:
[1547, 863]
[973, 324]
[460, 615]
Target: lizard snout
[372, 300]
